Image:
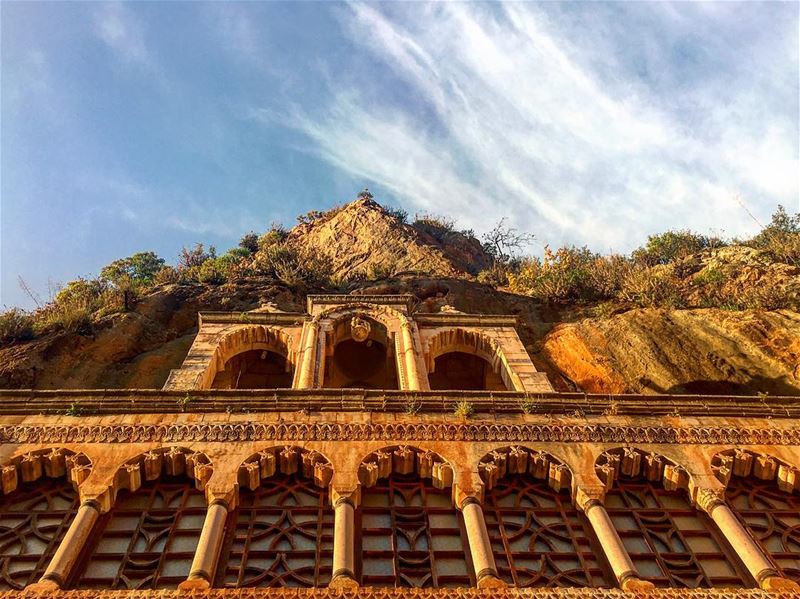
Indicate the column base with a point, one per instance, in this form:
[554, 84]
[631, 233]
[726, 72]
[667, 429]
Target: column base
[778, 583]
[633, 585]
[343, 581]
[491, 582]
[194, 584]
[43, 586]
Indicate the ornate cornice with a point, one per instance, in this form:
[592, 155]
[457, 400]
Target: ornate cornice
[400, 593]
[329, 431]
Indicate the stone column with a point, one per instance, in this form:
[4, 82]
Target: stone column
[589, 500]
[204, 564]
[410, 357]
[480, 548]
[344, 557]
[71, 545]
[305, 380]
[712, 502]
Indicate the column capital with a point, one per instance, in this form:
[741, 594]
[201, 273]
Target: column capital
[96, 496]
[708, 499]
[589, 496]
[224, 495]
[775, 582]
[345, 495]
[463, 495]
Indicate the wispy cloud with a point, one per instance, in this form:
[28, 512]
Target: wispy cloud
[523, 116]
[119, 29]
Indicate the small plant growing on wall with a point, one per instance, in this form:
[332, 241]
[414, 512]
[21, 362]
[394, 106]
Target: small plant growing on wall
[463, 409]
[528, 405]
[184, 401]
[413, 406]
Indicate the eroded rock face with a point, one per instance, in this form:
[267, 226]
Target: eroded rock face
[707, 351]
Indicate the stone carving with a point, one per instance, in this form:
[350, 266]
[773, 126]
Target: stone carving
[499, 463]
[742, 463]
[149, 466]
[331, 431]
[286, 460]
[408, 593]
[359, 328]
[632, 462]
[52, 462]
[404, 459]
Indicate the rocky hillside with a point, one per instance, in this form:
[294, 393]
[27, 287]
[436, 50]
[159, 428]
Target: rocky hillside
[370, 250]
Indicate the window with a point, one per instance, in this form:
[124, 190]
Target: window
[671, 543]
[411, 535]
[148, 539]
[772, 517]
[33, 521]
[538, 538]
[280, 535]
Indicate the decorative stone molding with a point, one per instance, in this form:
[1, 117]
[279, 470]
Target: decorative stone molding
[743, 462]
[632, 462]
[707, 499]
[404, 459]
[499, 463]
[332, 431]
[172, 461]
[286, 460]
[400, 593]
[52, 462]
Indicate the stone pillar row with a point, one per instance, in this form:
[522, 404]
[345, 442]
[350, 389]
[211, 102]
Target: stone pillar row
[345, 502]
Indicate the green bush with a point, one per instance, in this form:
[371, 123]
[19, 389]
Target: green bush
[248, 243]
[139, 269]
[665, 248]
[15, 325]
[781, 238]
[397, 213]
[440, 228]
[292, 267]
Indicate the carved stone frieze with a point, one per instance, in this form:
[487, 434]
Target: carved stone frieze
[409, 593]
[330, 431]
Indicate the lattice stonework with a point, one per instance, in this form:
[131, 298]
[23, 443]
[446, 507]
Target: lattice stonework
[538, 538]
[772, 517]
[671, 543]
[33, 520]
[411, 535]
[280, 535]
[148, 539]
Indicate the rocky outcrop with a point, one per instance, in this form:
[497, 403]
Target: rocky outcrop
[362, 238]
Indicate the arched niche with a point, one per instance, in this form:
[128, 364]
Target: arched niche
[360, 353]
[148, 538]
[39, 501]
[672, 542]
[281, 530]
[764, 493]
[252, 357]
[538, 537]
[459, 359]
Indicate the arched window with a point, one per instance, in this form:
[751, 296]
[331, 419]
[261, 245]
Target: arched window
[255, 369]
[770, 514]
[281, 532]
[360, 353]
[671, 543]
[149, 537]
[465, 372]
[411, 534]
[538, 538]
[36, 514]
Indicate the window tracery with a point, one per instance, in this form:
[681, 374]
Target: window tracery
[148, 539]
[671, 543]
[281, 532]
[763, 493]
[280, 535]
[33, 521]
[411, 534]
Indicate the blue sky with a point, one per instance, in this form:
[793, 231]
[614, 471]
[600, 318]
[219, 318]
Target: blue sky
[150, 126]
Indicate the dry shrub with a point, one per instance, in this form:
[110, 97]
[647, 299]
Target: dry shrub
[651, 287]
[15, 325]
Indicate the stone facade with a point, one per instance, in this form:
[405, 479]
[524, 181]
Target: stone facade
[609, 488]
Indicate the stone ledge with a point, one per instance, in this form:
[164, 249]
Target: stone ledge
[391, 593]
